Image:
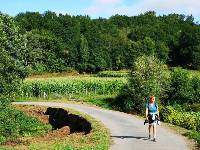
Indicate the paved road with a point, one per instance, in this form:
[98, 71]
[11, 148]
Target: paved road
[127, 131]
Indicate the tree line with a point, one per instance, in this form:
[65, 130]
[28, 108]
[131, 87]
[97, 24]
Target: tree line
[57, 42]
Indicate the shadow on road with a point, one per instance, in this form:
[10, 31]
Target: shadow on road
[134, 137]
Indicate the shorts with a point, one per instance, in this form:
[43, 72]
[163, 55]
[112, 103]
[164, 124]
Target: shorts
[152, 119]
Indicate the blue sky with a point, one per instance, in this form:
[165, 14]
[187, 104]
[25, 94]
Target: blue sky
[103, 8]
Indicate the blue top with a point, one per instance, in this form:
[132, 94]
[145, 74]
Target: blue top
[152, 107]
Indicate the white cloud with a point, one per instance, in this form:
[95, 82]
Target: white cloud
[111, 7]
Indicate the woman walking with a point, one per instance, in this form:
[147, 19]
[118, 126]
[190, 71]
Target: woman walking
[152, 115]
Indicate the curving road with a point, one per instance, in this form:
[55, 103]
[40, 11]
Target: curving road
[127, 131]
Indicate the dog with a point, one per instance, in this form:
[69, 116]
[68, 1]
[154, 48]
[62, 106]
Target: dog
[59, 118]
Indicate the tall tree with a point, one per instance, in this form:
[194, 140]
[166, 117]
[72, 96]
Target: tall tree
[12, 53]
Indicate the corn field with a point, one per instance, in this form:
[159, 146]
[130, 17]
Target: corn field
[122, 73]
[71, 86]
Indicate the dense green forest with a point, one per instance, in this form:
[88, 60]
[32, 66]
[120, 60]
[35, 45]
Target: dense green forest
[57, 42]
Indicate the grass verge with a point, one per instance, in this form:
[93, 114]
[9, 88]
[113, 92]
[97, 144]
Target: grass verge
[97, 139]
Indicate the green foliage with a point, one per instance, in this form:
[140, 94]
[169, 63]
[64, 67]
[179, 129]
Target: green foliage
[148, 77]
[14, 123]
[195, 135]
[83, 54]
[195, 82]
[121, 73]
[45, 52]
[192, 107]
[183, 88]
[139, 48]
[98, 139]
[189, 120]
[71, 86]
[189, 47]
[92, 45]
[12, 52]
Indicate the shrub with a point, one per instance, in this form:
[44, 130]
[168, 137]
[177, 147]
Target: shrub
[189, 120]
[192, 107]
[184, 88]
[181, 88]
[195, 82]
[148, 77]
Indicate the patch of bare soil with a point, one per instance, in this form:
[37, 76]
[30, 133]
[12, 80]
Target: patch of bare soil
[54, 118]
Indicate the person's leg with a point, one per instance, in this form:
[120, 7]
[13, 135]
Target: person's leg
[150, 131]
[154, 131]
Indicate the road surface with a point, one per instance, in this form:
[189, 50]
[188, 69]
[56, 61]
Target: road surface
[127, 131]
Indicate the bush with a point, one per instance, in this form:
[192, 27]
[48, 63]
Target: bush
[148, 77]
[183, 88]
[195, 82]
[192, 107]
[188, 120]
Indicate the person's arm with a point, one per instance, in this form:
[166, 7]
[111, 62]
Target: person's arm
[158, 114]
[146, 113]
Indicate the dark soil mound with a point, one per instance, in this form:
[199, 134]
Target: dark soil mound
[59, 118]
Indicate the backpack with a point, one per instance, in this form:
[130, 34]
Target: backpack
[154, 103]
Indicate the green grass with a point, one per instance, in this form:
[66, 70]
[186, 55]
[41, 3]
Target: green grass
[192, 73]
[15, 124]
[194, 135]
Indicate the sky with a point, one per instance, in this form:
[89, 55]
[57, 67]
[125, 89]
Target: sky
[103, 8]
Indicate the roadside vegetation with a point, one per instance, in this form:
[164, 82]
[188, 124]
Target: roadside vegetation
[179, 101]
[98, 138]
[52, 57]
[16, 124]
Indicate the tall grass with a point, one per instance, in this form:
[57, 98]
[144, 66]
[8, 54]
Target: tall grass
[121, 73]
[71, 86]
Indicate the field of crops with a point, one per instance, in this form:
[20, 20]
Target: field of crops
[71, 85]
[121, 73]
